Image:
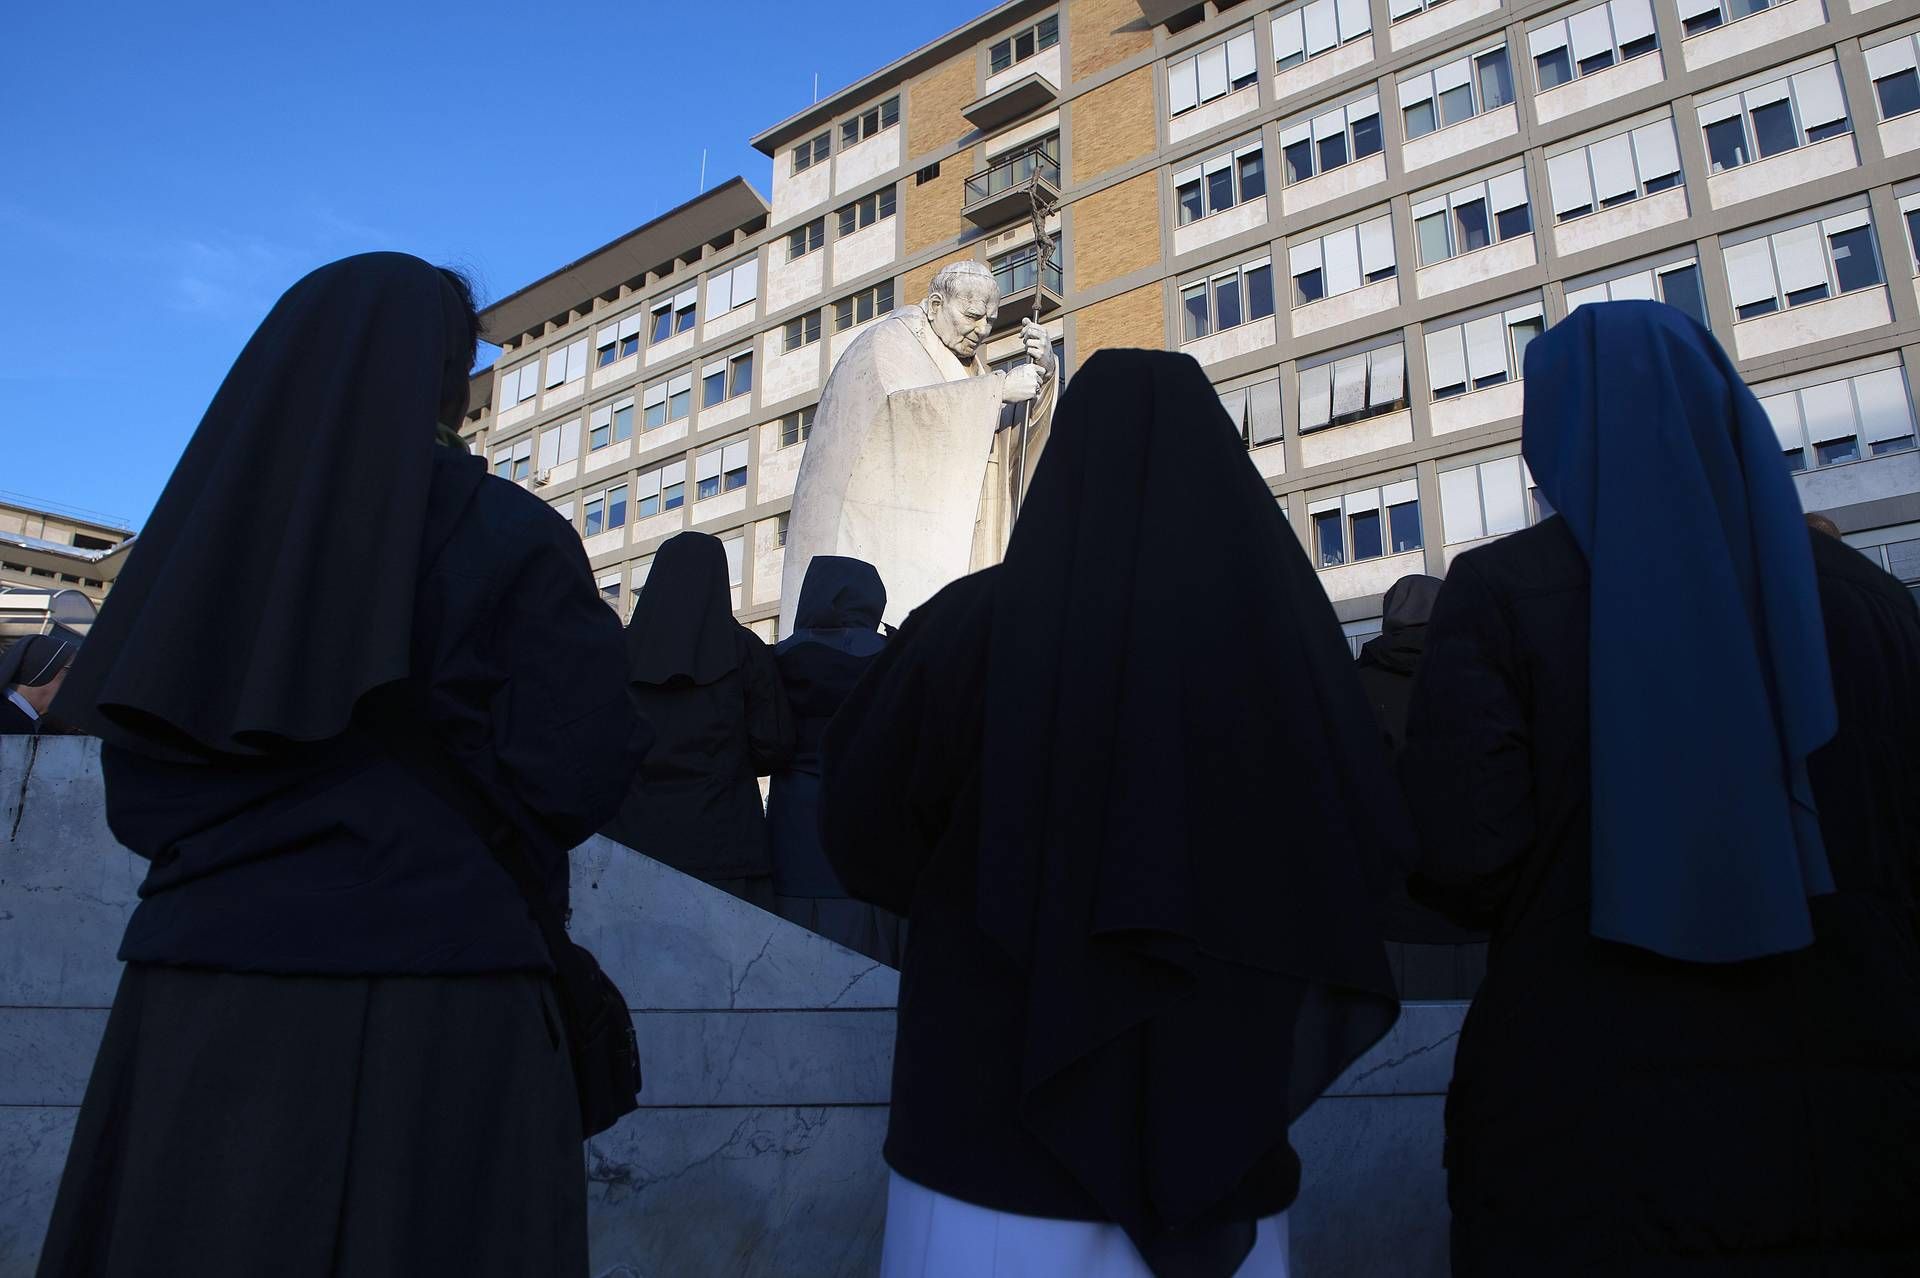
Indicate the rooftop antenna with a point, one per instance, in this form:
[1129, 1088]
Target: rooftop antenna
[816, 86]
[703, 168]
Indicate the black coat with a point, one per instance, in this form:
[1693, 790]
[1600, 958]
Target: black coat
[694, 803]
[15, 722]
[331, 858]
[1617, 1112]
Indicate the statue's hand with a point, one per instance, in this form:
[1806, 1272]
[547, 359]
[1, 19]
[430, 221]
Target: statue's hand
[1021, 385]
[1038, 345]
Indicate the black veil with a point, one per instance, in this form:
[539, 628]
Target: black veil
[274, 584]
[682, 629]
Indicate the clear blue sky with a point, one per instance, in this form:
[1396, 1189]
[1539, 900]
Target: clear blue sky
[175, 167]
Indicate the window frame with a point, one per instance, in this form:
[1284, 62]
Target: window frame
[805, 327]
[1045, 33]
[1189, 66]
[1241, 274]
[1283, 24]
[1229, 160]
[1481, 192]
[846, 311]
[1748, 145]
[1454, 332]
[1616, 52]
[1782, 298]
[1362, 501]
[815, 150]
[1473, 62]
[870, 209]
[1306, 130]
[870, 123]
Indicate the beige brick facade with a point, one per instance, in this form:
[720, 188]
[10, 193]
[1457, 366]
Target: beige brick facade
[933, 208]
[1113, 125]
[1094, 27]
[934, 102]
[1116, 231]
[1134, 319]
[913, 285]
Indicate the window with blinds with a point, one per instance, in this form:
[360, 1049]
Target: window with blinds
[1306, 31]
[1614, 170]
[1342, 261]
[1331, 139]
[617, 341]
[737, 286]
[1352, 388]
[722, 468]
[1486, 351]
[1455, 92]
[1366, 524]
[663, 488]
[1227, 299]
[1677, 284]
[1212, 73]
[1490, 499]
[1590, 41]
[674, 315]
[1802, 264]
[1473, 217]
[1780, 115]
[1843, 419]
[1255, 411]
[1220, 182]
[1896, 82]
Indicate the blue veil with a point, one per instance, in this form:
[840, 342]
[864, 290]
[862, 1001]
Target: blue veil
[1709, 679]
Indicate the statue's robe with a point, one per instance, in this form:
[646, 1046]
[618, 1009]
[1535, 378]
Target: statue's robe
[903, 469]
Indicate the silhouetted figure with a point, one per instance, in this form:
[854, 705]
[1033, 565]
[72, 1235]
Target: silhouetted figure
[1129, 971]
[836, 639]
[32, 672]
[1697, 1048]
[334, 1049]
[708, 689]
[1821, 524]
[1431, 958]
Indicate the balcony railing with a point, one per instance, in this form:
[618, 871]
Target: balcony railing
[1000, 193]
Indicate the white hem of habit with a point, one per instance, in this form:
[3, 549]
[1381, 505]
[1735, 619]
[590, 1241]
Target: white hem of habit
[930, 1235]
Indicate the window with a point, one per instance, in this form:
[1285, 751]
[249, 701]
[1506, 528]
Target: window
[1023, 44]
[810, 238]
[780, 529]
[868, 303]
[567, 364]
[1366, 525]
[1212, 73]
[1677, 285]
[1704, 15]
[811, 152]
[1473, 217]
[610, 590]
[867, 210]
[610, 423]
[1255, 411]
[605, 511]
[1400, 10]
[1614, 170]
[1591, 41]
[515, 461]
[1455, 91]
[641, 571]
[1802, 264]
[718, 470]
[1481, 352]
[1842, 420]
[736, 548]
[1353, 388]
[673, 315]
[795, 428]
[1896, 83]
[1342, 261]
[1229, 299]
[1332, 139]
[802, 330]
[869, 122]
[520, 384]
[730, 289]
[1491, 499]
[1910, 214]
[726, 379]
[667, 401]
[661, 490]
[1786, 113]
[1302, 34]
[617, 341]
[560, 444]
[1020, 269]
[1220, 182]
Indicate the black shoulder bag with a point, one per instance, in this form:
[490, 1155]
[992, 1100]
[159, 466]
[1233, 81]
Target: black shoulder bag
[599, 1028]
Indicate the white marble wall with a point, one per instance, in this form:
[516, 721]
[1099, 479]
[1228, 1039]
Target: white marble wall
[768, 1053]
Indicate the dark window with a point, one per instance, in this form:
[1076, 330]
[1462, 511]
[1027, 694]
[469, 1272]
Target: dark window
[1899, 445]
[1366, 535]
[1219, 190]
[1598, 62]
[1853, 260]
[1726, 144]
[1366, 137]
[1514, 221]
[1681, 288]
[1404, 526]
[87, 541]
[1661, 183]
[1193, 308]
[1260, 292]
[662, 325]
[1796, 458]
[1913, 232]
[1192, 207]
[623, 422]
[1419, 119]
[1299, 159]
[1753, 310]
[1551, 70]
[1899, 93]
[1333, 152]
[1831, 129]
[617, 507]
[674, 496]
[629, 345]
[1496, 79]
[1456, 104]
[1253, 176]
[1801, 296]
[607, 355]
[1327, 537]
[1309, 287]
[1226, 302]
[1636, 48]
[802, 240]
[740, 374]
[1704, 22]
[705, 488]
[1836, 450]
[1773, 130]
[713, 388]
[1471, 218]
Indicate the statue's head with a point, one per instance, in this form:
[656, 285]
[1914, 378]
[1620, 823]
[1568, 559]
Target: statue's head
[962, 303]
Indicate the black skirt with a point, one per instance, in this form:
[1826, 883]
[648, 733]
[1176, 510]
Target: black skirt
[311, 1126]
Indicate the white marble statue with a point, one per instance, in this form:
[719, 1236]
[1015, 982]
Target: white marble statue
[902, 469]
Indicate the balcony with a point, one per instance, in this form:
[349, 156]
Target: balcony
[1026, 292]
[1028, 94]
[1000, 194]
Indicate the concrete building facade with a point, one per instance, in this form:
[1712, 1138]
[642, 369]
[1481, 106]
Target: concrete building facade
[1354, 213]
[51, 548]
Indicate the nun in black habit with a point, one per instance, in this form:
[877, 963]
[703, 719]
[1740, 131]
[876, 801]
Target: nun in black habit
[335, 1047]
[836, 637]
[1128, 794]
[708, 688]
[32, 671]
[1663, 747]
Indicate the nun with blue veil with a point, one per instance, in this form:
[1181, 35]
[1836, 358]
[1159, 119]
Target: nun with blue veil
[1663, 748]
